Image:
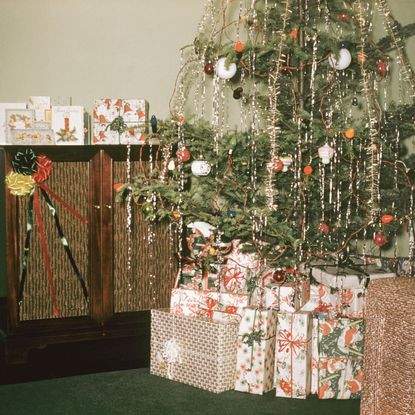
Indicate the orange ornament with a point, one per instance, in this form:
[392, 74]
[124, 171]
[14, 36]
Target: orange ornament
[349, 133]
[387, 218]
[308, 170]
[293, 33]
[117, 186]
[239, 46]
[183, 155]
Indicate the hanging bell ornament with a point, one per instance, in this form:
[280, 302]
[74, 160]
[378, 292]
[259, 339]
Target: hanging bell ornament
[286, 161]
[237, 93]
[355, 102]
[209, 68]
[379, 239]
[326, 153]
[382, 68]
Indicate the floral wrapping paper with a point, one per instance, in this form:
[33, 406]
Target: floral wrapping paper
[293, 355]
[256, 351]
[289, 297]
[314, 356]
[213, 305]
[134, 113]
[340, 358]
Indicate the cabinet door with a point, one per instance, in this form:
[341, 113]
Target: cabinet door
[75, 179]
[144, 265]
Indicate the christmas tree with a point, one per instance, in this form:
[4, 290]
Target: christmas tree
[283, 134]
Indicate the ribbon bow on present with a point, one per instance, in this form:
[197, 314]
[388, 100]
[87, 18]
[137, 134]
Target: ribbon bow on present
[286, 341]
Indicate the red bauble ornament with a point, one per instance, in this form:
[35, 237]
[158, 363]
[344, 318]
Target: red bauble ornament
[387, 218]
[209, 68]
[343, 17]
[277, 166]
[183, 155]
[324, 228]
[239, 46]
[293, 33]
[117, 186]
[381, 68]
[279, 276]
[379, 239]
[308, 170]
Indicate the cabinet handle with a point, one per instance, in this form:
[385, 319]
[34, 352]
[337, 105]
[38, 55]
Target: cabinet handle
[97, 206]
[108, 206]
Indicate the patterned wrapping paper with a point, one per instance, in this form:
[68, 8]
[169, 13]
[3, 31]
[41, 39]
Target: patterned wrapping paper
[293, 355]
[211, 304]
[256, 351]
[134, 113]
[314, 356]
[340, 358]
[289, 297]
[194, 351]
[337, 303]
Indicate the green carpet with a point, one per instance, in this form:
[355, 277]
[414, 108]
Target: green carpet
[138, 392]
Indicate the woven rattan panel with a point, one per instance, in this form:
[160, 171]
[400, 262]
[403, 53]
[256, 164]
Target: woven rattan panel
[153, 267]
[389, 385]
[69, 180]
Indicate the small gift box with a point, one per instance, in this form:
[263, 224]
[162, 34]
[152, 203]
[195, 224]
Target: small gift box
[119, 121]
[340, 358]
[293, 355]
[211, 304]
[256, 351]
[289, 296]
[197, 352]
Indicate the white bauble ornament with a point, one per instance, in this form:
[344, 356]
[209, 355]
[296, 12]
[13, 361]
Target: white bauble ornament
[326, 153]
[200, 167]
[204, 228]
[223, 71]
[172, 165]
[342, 62]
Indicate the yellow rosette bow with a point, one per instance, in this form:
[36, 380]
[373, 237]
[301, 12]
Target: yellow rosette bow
[19, 184]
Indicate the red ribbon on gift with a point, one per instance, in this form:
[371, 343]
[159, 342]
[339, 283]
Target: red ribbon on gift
[211, 307]
[232, 277]
[294, 345]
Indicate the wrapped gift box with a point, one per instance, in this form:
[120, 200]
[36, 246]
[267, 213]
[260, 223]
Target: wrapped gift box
[314, 356]
[68, 124]
[293, 355]
[345, 278]
[133, 112]
[336, 303]
[211, 304]
[340, 358]
[197, 352]
[289, 296]
[256, 351]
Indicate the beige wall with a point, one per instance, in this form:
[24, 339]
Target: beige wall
[94, 48]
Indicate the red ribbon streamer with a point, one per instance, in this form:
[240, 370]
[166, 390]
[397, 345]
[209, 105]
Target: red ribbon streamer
[46, 257]
[63, 203]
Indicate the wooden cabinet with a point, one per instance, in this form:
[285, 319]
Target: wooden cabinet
[120, 291]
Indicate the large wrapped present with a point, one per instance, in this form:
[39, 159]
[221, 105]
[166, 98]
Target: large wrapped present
[338, 277]
[293, 355]
[119, 121]
[336, 302]
[314, 356]
[389, 385]
[256, 351]
[340, 358]
[197, 352]
[289, 296]
[211, 304]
